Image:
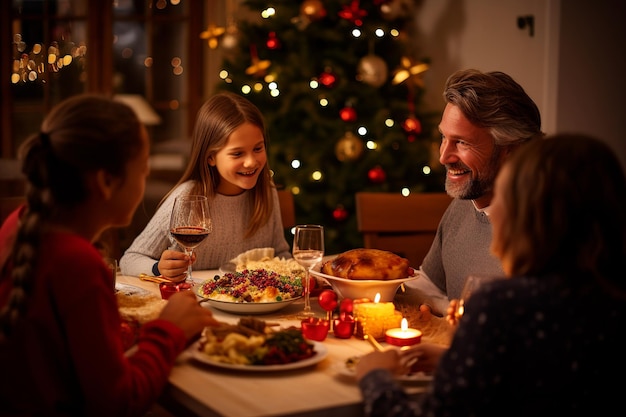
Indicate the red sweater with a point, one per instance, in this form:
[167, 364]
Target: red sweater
[66, 356]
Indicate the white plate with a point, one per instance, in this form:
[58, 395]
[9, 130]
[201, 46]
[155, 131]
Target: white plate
[343, 370]
[250, 308]
[320, 349]
[130, 289]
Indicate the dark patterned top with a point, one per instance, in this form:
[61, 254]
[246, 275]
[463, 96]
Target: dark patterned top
[525, 346]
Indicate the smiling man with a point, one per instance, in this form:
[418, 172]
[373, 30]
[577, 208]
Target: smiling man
[487, 116]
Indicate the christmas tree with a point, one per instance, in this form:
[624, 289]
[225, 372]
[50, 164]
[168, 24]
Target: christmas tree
[340, 92]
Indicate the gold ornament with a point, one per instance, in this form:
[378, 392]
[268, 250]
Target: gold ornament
[349, 148]
[409, 71]
[313, 9]
[212, 35]
[372, 70]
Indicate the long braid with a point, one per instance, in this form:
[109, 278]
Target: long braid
[28, 239]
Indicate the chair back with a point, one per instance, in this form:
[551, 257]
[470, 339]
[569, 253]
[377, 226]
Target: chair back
[287, 208]
[402, 225]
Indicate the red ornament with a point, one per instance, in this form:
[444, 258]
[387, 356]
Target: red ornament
[412, 126]
[328, 300]
[340, 214]
[348, 114]
[353, 13]
[328, 79]
[346, 306]
[377, 175]
[272, 41]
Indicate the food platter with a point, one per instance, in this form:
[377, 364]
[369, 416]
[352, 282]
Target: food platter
[130, 289]
[249, 308]
[363, 288]
[320, 349]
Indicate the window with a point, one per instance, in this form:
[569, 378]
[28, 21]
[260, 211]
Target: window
[140, 48]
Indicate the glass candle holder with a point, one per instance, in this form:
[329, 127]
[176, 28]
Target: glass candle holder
[314, 328]
[169, 288]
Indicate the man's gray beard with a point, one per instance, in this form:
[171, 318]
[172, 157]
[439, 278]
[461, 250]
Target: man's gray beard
[476, 188]
[469, 191]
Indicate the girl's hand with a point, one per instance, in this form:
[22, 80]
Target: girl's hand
[173, 264]
[183, 310]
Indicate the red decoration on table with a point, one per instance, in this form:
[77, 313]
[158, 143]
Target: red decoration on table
[346, 306]
[314, 328]
[327, 78]
[272, 41]
[327, 300]
[344, 326]
[377, 175]
[169, 288]
[403, 336]
[340, 214]
[353, 13]
[348, 114]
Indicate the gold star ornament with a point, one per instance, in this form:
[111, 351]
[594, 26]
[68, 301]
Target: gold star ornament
[411, 71]
[212, 35]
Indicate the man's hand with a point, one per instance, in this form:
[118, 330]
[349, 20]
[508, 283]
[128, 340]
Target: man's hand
[425, 313]
[173, 264]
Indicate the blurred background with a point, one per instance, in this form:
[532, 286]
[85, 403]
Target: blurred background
[351, 89]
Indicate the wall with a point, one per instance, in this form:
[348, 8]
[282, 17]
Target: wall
[572, 67]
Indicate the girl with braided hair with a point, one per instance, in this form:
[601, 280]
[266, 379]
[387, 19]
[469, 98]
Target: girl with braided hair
[61, 349]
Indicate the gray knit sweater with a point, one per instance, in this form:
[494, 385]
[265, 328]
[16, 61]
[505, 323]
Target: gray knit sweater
[461, 247]
[229, 215]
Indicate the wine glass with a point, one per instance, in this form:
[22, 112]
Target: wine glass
[472, 283]
[308, 250]
[190, 224]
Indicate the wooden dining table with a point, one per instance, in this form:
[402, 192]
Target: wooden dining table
[196, 388]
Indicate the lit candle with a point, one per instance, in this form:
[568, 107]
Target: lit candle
[403, 336]
[374, 318]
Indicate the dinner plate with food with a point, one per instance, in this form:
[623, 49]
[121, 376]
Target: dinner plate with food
[253, 346]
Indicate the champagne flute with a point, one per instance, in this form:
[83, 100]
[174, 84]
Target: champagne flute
[190, 224]
[308, 250]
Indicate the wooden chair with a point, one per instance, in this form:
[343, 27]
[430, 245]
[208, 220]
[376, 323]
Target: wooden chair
[287, 208]
[403, 225]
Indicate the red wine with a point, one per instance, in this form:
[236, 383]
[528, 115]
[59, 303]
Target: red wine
[189, 236]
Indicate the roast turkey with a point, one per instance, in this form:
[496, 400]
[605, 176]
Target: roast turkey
[368, 264]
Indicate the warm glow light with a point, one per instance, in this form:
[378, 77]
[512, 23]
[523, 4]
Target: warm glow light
[377, 298]
[316, 175]
[379, 32]
[394, 32]
[426, 170]
[258, 87]
[404, 324]
[323, 102]
[246, 89]
[362, 130]
[356, 33]
[370, 144]
[267, 13]
[389, 122]
[295, 164]
[314, 84]
[405, 192]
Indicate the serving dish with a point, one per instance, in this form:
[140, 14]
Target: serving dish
[320, 349]
[362, 288]
[249, 308]
[128, 289]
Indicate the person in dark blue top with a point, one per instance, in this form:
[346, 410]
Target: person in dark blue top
[547, 340]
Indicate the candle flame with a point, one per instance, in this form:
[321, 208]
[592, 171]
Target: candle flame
[404, 325]
[377, 298]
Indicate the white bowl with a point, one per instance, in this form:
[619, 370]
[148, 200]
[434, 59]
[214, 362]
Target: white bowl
[363, 288]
